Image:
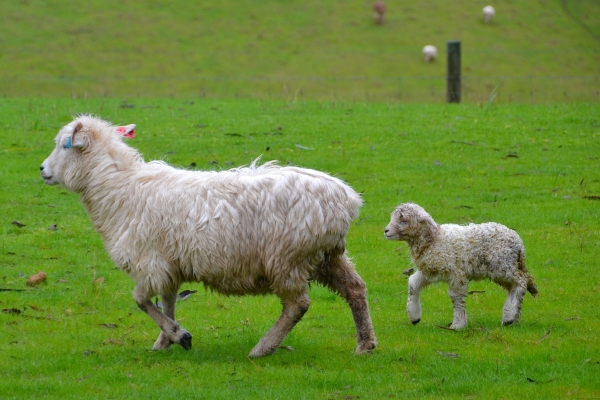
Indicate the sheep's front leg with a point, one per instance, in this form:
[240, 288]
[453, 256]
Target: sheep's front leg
[458, 293]
[168, 306]
[416, 283]
[168, 326]
[293, 310]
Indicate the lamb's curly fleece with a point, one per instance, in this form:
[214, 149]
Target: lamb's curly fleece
[255, 230]
[457, 254]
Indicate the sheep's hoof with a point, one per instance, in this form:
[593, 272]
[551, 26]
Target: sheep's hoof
[161, 343]
[507, 323]
[366, 347]
[416, 321]
[258, 351]
[186, 341]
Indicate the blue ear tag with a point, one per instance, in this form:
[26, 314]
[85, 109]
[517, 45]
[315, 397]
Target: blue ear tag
[68, 144]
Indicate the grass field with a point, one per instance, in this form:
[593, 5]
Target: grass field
[534, 168]
[534, 51]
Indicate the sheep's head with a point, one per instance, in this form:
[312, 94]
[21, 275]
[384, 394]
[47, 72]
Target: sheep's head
[79, 151]
[410, 222]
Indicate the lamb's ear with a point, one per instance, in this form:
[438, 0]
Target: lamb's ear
[79, 139]
[422, 217]
[127, 131]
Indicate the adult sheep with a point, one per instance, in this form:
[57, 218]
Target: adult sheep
[430, 53]
[488, 14]
[457, 254]
[247, 231]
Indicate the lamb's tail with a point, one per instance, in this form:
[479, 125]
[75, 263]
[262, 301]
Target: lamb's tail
[531, 286]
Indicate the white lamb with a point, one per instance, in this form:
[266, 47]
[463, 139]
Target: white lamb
[247, 231]
[457, 254]
[488, 14]
[430, 53]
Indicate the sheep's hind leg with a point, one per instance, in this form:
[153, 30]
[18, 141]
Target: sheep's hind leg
[340, 276]
[168, 326]
[293, 311]
[457, 295]
[168, 306]
[416, 283]
[511, 312]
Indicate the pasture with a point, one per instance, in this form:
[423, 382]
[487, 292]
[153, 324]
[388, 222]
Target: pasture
[533, 51]
[533, 168]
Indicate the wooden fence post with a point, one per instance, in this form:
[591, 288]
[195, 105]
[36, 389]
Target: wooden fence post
[453, 71]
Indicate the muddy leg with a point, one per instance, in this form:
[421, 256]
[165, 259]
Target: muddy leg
[168, 326]
[168, 302]
[340, 276]
[293, 311]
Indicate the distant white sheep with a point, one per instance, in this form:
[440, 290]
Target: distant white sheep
[458, 254]
[247, 231]
[430, 53]
[488, 14]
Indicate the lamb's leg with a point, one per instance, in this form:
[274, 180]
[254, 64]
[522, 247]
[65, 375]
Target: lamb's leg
[293, 310]
[416, 283]
[511, 312]
[168, 306]
[341, 277]
[458, 293]
[168, 326]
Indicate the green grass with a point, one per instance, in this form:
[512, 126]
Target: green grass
[534, 168]
[533, 51]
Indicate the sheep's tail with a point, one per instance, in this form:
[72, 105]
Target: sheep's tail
[531, 286]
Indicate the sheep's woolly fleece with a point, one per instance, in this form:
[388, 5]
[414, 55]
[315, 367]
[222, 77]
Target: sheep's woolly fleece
[252, 230]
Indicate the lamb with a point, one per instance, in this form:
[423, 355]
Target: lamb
[488, 13]
[430, 53]
[457, 254]
[254, 230]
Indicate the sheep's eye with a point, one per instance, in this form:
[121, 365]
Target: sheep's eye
[68, 144]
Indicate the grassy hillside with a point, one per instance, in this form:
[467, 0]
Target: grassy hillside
[534, 168]
[533, 51]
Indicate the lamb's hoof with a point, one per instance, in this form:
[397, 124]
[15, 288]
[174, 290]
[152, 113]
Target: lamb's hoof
[415, 321]
[186, 341]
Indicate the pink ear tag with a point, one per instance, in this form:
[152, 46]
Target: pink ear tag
[127, 131]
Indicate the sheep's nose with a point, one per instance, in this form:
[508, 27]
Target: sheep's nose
[386, 231]
[41, 167]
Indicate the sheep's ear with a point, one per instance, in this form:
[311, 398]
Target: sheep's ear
[127, 131]
[79, 139]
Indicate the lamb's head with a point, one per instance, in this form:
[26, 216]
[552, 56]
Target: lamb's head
[410, 222]
[84, 147]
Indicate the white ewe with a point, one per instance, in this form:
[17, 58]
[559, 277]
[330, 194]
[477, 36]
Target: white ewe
[248, 231]
[430, 53]
[488, 13]
[457, 254]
